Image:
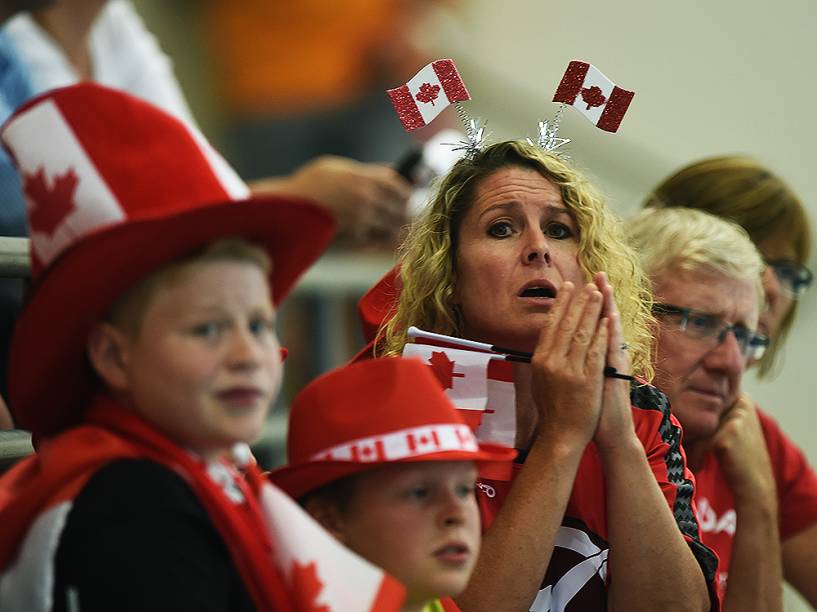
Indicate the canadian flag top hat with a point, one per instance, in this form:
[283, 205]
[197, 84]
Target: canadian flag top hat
[370, 414]
[115, 188]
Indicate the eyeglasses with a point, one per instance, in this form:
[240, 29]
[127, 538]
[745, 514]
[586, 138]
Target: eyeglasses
[709, 327]
[793, 278]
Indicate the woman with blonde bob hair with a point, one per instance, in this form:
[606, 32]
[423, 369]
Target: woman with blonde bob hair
[517, 249]
[741, 190]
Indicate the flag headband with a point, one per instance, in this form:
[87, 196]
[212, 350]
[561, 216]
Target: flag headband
[438, 85]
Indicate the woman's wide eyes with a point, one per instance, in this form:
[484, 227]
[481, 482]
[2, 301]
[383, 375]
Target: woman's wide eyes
[500, 230]
[558, 231]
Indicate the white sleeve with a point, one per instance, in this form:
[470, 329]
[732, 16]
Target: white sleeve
[125, 55]
[44, 61]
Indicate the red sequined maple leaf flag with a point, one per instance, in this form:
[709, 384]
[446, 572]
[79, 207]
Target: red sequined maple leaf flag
[594, 95]
[429, 91]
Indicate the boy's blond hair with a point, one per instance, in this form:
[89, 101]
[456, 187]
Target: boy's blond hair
[128, 311]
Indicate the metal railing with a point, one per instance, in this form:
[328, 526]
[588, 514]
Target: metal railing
[14, 257]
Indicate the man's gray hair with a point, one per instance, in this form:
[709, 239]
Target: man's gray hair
[688, 240]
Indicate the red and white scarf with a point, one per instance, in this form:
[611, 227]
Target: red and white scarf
[271, 541]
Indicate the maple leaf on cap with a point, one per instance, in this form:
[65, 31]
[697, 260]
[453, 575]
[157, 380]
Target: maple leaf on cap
[443, 369]
[49, 206]
[428, 93]
[307, 586]
[593, 96]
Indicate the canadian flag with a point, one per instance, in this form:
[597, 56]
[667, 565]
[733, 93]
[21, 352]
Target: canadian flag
[368, 450]
[593, 95]
[428, 93]
[423, 440]
[324, 574]
[479, 384]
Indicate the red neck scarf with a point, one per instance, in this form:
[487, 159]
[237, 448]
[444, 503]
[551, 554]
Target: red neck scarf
[64, 464]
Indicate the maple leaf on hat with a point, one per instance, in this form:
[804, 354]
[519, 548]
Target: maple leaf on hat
[307, 586]
[50, 205]
[443, 369]
[593, 96]
[428, 93]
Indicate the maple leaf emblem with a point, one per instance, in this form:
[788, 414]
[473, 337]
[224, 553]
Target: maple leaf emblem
[50, 206]
[443, 369]
[428, 93]
[306, 587]
[593, 96]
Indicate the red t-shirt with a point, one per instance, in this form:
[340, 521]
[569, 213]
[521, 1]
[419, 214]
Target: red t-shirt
[796, 496]
[577, 575]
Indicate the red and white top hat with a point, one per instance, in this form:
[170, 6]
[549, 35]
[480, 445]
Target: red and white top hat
[373, 413]
[115, 188]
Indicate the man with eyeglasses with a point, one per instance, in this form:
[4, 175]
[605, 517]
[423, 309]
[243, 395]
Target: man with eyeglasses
[756, 493]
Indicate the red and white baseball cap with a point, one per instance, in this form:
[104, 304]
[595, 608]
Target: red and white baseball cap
[370, 414]
[115, 188]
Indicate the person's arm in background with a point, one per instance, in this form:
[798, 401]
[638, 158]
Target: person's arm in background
[368, 200]
[651, 565]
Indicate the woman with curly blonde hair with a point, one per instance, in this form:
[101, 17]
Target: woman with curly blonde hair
[425, 300]
[517, 249]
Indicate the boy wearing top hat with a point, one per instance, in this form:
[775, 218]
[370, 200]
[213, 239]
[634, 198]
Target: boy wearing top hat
[143, 363]
[380, 457]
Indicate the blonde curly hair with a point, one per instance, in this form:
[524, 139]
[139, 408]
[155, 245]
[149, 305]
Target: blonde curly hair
[428, 254]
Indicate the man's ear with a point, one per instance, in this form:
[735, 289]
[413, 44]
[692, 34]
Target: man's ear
[107, 349]
[329, 516]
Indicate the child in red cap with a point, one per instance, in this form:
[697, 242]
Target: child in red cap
[380, 457]
[143, 363]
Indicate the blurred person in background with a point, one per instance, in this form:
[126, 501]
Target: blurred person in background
[756, 493]
[106, 41]
[742, 190]
[313, 74]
